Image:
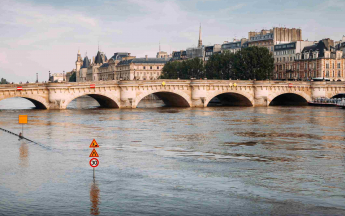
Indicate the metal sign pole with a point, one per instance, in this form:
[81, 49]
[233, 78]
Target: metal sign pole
[94, 174]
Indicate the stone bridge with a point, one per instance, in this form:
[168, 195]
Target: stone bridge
[178, 93]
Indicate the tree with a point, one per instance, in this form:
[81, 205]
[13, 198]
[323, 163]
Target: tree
[191, 68]
[3, 81]
[219, 66]
[248, 63]
[73, 78]
[253, 63]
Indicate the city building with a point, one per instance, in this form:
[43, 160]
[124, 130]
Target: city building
[140, 68]
[340, 45]
[179, 55]
[57, 77]
[269, 38]
[320, 60]
[210, 50]
[233, 46]
[284, 57]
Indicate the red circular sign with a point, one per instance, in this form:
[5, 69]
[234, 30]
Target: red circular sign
[94, 162]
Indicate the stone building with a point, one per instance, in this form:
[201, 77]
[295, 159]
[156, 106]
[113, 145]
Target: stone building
[233, 46]
[269, 38]
[140, 68]
[284, 58]
[321, 61]
[210, 50]
[179, 55]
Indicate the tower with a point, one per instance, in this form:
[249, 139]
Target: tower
[200, 41]
[78, 63]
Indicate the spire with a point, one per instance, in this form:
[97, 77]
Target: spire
[200, 41]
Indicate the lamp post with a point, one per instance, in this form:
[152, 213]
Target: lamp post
[49, 78]
[63, 76]
[36, 77]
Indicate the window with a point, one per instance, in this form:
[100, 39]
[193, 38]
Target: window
[290, 58]
[305, 66]
[339, 65]
[157, 67]
[333, 65]
[327, 74]
[150, 67]
[283, 59]
[144, 67]
[339, 74]
[333, 74]
[327, 66]
[314, 65]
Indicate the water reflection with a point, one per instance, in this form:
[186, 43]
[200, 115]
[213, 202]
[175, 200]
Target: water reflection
[94, 198]
[23, 155]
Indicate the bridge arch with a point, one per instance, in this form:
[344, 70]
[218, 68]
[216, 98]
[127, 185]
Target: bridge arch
[170, 98]
[288, 98]
[104, 100]
[232, 98]
[38, 101]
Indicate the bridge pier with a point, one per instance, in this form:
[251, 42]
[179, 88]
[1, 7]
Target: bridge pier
[199, 93]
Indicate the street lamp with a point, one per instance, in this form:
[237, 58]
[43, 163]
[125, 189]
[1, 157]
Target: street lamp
[63, 76]
[36, 77]
[49, 77]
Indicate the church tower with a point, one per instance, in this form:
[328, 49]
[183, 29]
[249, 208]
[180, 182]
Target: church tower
[78, 64]
[200, 41]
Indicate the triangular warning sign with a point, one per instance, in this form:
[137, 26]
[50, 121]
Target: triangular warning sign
[94, 144]
[94, 153]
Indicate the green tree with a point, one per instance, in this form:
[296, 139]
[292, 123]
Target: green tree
[3, 81]
[73, 78]
[253, 63]
[191, 68]
[220, 65]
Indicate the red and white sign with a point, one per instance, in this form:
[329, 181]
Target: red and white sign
[19, 88]
[290, 85]
[92, 85]
[94, 162]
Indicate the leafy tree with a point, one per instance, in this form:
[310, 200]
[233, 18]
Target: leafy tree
[3, 81]
[73, 78]
[191, 68]
[248, 63]
[253, 63]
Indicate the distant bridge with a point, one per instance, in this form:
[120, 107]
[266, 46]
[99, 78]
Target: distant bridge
[177, 93]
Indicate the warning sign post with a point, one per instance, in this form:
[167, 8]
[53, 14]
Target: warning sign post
[94, 161]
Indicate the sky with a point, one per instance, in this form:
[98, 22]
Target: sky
[38, 36]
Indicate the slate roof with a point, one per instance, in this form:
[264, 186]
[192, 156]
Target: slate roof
[104, 65]
[316, 47]
[98, 59]
[86, 62]
[144, 60]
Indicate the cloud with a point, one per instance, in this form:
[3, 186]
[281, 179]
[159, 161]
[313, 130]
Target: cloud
[42, 36]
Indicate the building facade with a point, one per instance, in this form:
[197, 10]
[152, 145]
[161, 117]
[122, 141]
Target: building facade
[284, 58]
[210, 50]
[140, 68]
[321, 61]
[234, 46]
[269, 38]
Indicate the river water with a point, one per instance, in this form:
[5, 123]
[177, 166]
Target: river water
[173, 161]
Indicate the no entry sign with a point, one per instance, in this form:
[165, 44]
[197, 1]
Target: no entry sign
[19, 88]
[92, 85]
[94, 162]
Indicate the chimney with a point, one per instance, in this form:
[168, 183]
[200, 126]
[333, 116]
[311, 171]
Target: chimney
[146, 57]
